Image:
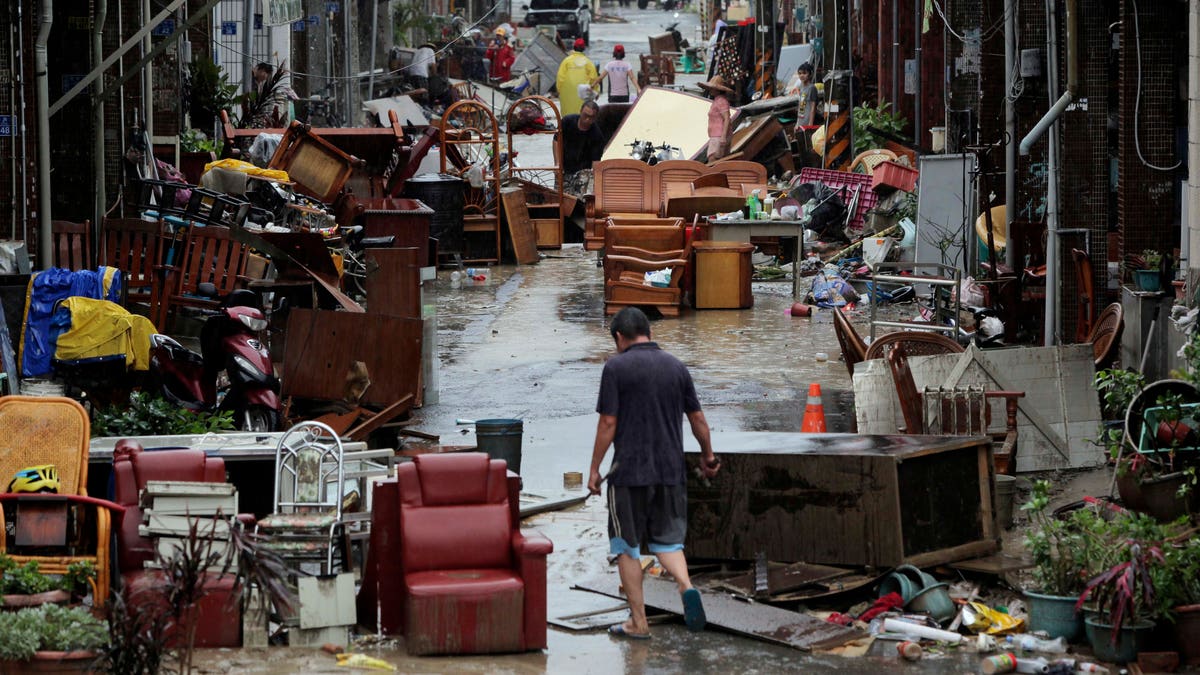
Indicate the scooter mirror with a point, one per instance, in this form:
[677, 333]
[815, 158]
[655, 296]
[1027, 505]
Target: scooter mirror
[207, 289]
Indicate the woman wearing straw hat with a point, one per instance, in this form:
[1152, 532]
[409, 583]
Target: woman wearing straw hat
[719, 124]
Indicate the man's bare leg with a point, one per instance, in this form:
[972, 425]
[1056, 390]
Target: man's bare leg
[631, 580]
[676, 565]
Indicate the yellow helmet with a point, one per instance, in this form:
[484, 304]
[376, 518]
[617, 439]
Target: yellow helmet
[42, 478]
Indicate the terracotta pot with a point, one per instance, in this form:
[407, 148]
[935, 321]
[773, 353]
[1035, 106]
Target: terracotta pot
[1187, 633]
[1158, 662]
[1156, 496]
[62, 663]
[14, 602]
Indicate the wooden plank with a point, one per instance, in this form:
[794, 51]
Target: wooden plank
[758, 621]
[394, 282]
[364, 429]
[520, 227]
[41, 522]
[997, 564]
[174, 524]
[155, 488]
[322, 346]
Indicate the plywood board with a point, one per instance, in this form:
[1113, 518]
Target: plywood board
[407, 111]
[326, 601]
[541, 55]
[758, 621]
[322, 345]
[663, 116]
[520, 227]
[945, 210]
[394, 282]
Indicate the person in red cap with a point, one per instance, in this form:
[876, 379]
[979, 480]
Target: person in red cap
[621, 81]
[575, 73]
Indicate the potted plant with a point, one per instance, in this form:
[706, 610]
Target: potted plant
[1060, 560]
[1124, 599]
[195, 151]
[50, 639]
[25, 585]
[1178, 589]
[1148, 274]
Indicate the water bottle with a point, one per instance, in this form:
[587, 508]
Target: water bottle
[1038, 665]
[455, 279]
[1032, 643]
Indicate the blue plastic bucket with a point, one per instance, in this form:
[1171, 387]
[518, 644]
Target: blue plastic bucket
[501, 439]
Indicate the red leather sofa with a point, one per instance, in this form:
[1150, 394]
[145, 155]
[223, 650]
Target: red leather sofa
[219, 623]
[449, 566]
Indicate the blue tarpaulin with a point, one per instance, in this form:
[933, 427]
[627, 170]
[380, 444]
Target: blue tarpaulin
[39, 334]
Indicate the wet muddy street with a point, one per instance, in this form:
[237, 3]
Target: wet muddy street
[530, 344]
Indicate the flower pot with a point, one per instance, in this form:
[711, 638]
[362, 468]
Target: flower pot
[935, 601]
[1130, 490]
[63, 663]
[15, 602]
[1160, 497]
[1187, 633]
[1054, 614]
[1129, 640]
[1180, 288]
[1148, 280]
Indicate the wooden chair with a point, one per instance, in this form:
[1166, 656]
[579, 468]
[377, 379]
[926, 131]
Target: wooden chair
[1086, 319]
[711, 180]
[961, 411]
[210, 255]
[916, 343]
[740, 171]
[854, 348]
[625, 265]
[133, 246]
[867, 160]
[52, 430]
[72, 244]
[1106, 335]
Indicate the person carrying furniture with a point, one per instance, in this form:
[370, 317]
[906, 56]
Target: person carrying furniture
[644, 395]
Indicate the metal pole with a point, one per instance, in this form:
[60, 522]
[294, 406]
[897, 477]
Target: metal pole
[347, 61]
[917, 75]
[374, 44]
[148, 86]
[1010, 129]
[1193, 158]
[24, 131]
[45, 244]
[247, 47]
[896, 65]
[98, 121]
[1051, 313]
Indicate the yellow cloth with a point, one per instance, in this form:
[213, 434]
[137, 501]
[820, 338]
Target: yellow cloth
[103, 328]
[247, 168]
[574, 70]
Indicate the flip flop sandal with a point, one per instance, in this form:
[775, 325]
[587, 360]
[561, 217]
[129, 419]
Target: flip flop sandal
[693, 610]
[619, 631]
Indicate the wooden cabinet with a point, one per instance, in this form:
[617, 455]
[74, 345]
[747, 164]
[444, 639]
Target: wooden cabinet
[723, 270]
[844, 499]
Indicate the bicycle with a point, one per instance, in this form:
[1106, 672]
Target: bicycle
[323, 108]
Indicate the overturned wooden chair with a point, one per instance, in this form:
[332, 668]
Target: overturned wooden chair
[915, 343]
[634, 250]
[957, 411]
[854, 348]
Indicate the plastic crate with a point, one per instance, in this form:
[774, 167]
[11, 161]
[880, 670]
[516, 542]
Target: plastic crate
[890, 176]
[846, 182]
[1189, 415]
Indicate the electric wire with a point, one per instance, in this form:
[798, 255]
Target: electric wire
[1137, 98]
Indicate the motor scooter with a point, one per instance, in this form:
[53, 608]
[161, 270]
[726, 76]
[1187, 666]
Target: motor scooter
[229, 341]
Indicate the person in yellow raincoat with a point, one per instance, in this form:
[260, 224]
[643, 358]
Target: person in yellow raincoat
[574, 70]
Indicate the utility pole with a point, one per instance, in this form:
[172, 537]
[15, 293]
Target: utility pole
[839, 82]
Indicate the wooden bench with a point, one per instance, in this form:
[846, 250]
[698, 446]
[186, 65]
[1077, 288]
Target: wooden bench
[630, 187]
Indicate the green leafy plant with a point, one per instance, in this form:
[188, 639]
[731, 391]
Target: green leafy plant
[411, 25]
[79, 578]
[27, 580]
[1177, 579]
[49, 628]
[195, 140]
[870, 121]
[207, 91]
[1151, 259]
[1117, 388]
[1058, 549]
[148, 415]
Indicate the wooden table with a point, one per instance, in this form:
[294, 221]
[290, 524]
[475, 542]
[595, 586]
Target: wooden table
[844, 499]
[742, 230]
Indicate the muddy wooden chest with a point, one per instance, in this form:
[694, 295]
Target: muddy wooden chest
[844, 499]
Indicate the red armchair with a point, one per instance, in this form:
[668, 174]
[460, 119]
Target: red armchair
[466, 568]
[132, 468]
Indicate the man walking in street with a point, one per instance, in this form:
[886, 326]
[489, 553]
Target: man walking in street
[644, 395]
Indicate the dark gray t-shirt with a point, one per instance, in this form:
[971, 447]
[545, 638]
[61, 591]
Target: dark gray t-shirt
[648, 391]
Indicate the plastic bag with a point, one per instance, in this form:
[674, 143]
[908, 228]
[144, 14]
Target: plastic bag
[474, 175]
[971, 293]
[658, 278]
[980, 618]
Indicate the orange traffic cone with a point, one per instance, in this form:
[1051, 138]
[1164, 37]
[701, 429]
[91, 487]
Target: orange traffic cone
[814, 411]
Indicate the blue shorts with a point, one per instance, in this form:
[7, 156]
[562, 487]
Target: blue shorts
[650, 515]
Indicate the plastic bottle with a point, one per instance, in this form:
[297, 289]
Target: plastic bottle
[1038, 665]
[1033, 643]
[752, 206]
[1001, 663]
